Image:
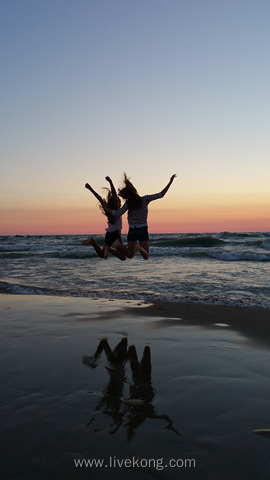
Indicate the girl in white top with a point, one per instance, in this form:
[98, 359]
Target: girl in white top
[113, 231]
[137, 208]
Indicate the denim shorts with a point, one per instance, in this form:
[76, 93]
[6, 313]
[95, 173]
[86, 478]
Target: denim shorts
[138, 233]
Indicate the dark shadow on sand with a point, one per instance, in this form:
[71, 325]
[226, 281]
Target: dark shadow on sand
[251, 323]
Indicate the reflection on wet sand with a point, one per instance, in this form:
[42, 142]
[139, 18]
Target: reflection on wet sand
[128, 412]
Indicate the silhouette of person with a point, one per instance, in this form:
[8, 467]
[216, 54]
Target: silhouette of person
[113, 231]
[137, 208]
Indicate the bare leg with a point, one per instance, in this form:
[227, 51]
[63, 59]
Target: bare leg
[87, 241]
[112, 250]
[130, 250]
[105, 251]
[144, 249]
[115, 243]
[117, 254]
[91, 241]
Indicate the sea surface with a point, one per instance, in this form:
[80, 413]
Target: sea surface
[216, 268]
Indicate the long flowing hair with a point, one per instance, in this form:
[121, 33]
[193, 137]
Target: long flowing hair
[129, 193]
[113, 203]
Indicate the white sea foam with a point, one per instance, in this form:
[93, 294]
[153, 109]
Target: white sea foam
[240, 256]
[182, 268]
[18, 247]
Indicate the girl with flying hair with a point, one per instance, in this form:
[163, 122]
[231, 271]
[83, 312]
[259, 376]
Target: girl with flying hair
[113, 231]
[137, 208]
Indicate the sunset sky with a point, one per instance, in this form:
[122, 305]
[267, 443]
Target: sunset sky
[150, 87]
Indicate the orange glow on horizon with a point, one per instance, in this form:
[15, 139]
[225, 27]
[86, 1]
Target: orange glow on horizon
[185, 219]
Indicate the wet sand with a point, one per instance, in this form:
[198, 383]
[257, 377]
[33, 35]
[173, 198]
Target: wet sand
[152, 391]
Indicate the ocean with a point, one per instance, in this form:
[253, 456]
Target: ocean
[214, 268]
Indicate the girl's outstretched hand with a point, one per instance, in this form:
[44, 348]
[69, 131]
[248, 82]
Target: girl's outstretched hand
[87, 186]
[108, 179]
[173, 177]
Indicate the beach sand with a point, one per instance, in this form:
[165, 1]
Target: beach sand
[163, 390]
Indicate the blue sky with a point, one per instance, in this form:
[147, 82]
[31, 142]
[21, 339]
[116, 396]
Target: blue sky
[95, 88]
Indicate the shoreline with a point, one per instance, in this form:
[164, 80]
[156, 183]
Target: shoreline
[170, 306]
[251, 322]
[140, 301]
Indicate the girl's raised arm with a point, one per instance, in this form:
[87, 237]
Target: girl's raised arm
[164, 191]
[112, 186]
[94, 193]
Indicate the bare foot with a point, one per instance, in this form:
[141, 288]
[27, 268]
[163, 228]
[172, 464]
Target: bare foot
[88, 241]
